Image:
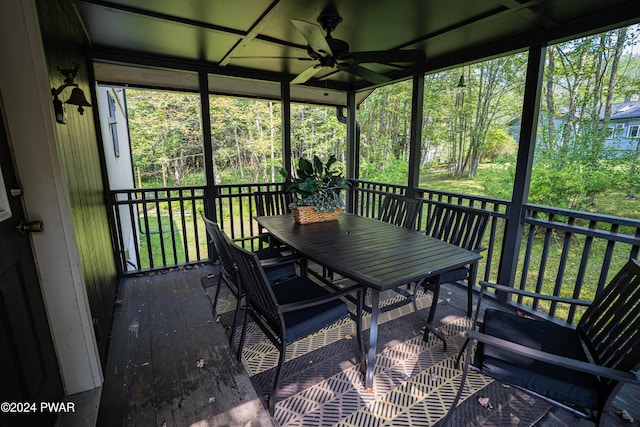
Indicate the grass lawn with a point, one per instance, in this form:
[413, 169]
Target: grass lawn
[439, 179]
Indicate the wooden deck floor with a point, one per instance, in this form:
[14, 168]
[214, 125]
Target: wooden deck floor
[162, 329]
[163, 332]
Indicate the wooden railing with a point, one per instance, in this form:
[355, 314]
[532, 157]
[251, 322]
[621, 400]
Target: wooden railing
[567, 253]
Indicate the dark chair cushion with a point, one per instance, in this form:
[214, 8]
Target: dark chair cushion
[304, 322]
[277, 272]
[560, 384]
[268, 252]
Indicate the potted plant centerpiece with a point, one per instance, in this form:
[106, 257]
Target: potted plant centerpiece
[317, 190]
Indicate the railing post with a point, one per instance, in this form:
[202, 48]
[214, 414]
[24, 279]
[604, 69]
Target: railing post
[353, 148]
[415, 142]
[209, 190]
[285, 105]
[526, 146]
[205, 114]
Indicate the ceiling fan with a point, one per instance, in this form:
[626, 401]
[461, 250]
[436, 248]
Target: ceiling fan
[333, 54]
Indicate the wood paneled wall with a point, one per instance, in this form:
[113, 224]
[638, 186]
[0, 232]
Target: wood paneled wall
[79, 152]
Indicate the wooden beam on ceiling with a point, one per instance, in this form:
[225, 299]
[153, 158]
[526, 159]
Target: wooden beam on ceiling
[264, 20]
[525, 10]
[459, 26]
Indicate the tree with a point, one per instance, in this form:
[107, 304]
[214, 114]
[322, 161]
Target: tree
[165, 133]
[582, 79]
[485, 96]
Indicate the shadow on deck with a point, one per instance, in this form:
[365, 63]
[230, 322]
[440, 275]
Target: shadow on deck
[170, 363]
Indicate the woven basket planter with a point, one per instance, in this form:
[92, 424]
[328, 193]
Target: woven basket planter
[308, 214]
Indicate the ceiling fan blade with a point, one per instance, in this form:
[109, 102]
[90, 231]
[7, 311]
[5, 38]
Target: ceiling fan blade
[368, 75]
[307, 74]
[314, 36]
[386, 56]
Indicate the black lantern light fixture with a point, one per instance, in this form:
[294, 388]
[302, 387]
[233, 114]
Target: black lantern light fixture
[76, 98]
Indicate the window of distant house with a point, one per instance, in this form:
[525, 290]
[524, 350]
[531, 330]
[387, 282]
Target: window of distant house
[633, 131]
[612, 131]
[113, 127]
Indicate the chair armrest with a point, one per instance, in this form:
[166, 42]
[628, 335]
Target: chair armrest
[484, 285]
[299, 305]
[240, 240]
[259, 236]
[283, 260]
[565, 362]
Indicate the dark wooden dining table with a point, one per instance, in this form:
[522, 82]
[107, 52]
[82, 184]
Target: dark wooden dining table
[376, 254]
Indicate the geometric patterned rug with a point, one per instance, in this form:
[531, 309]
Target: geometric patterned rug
[414, 384]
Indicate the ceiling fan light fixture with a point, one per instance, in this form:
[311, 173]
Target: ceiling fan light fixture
[329, 20]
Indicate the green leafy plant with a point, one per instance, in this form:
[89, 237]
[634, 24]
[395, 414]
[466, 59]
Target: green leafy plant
[316, 184]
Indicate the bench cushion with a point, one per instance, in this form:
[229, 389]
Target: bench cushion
[557, 383]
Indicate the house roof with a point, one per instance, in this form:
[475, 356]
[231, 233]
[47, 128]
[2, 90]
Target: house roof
[621, 111]
[624, 111]
[256, 39]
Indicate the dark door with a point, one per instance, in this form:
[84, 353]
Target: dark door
[28, 365]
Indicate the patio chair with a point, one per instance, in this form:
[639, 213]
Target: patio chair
[277, 267]
[291, 309]
[579, 368]
[399, 210]
[461, 226]
[272, 203]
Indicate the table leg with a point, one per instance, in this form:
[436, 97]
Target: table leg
[434, 331]
[473, 273]
[373, 339]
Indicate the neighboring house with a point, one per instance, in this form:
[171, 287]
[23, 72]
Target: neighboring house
[623, 129]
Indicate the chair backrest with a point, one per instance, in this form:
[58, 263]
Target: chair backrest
[399, 210]
[459, 225]
[272, 202]
[222, 244]
[256, 287]
[611, 324]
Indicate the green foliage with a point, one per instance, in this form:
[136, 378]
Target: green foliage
[317, 185]
[576, 172]
[556, 187]
[393, 171]
[498, 182]
[315, 130]
[574, 184]
[499, 145]
[166, 139]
